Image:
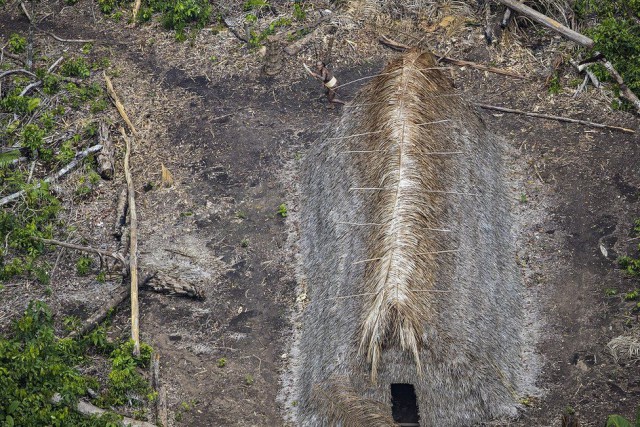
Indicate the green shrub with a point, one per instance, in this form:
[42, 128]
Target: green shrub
[77, 67]
[35, 365]
[17, 43]
[616, 35]
[125, 382]
[83, 265]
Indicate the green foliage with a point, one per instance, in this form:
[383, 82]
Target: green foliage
[610, 292]
[631, 296]
[254, 4]
[35, 365]
[282, 210]
[83, 265]
[126, 385]
[248, 379]
[20, 105]
[21, 227]
[299, 12]
[32, 138]
[257, 39]
[244, 243]
[616, 35]
[554, 87]
[66, 153]
[17, 43]
[619, 421]
[630, 264]
[222, 362]
[177, 15]
[75, 67]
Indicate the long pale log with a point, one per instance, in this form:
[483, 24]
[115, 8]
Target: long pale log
[59, 174]
[86, 408]
[133, 247]
[119, 106]
[557, 118]
[548, 22]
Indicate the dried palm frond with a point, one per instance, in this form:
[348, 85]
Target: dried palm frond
[343, 406]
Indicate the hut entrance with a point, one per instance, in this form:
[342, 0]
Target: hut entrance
[404, 405]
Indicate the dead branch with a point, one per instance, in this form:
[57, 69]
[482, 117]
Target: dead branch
[161, 417]
[133, 246]
[30, 86]
[116, 101]
[624, 89]
[136, 9]
[557, 118]
[162, 283]
[105, 157]
[475, 65]
[19, 70]
[402, 47]
[11, 56]
[548, 22]
[121, 213]
[103, 311]
[86, 408]
[58, 175]
[60, 39]
[101, 252]
[55, 65]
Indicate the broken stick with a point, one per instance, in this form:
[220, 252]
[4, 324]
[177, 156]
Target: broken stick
[161, 417]
[133, 247]
[551, 117]
[116, 101]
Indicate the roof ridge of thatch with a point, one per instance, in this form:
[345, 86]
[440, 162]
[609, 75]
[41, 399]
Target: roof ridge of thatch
[396, 312]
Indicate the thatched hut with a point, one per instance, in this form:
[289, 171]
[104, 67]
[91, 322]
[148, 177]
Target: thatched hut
[414, 310]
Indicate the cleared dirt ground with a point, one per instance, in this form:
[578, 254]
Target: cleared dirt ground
[233, 138]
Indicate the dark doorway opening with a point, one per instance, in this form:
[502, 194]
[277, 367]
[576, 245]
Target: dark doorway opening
[404, 405]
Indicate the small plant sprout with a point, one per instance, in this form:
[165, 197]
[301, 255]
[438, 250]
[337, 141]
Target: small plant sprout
[523, 198]
[222, 362]
[282, 210]
[244, 243]
[248, 379]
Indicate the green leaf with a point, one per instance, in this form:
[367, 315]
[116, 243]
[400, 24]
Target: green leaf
[13, 406]
[9, 421]
[32, 104]
[618, 421]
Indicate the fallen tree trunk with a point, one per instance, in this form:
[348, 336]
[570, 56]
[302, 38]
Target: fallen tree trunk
[105, 157]
[92, 322]
[548, 22]
[557, 118]
[133, 247]
[86, 408]
[162, 283]
[61, 172]
[161, 416]
[121, 214]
